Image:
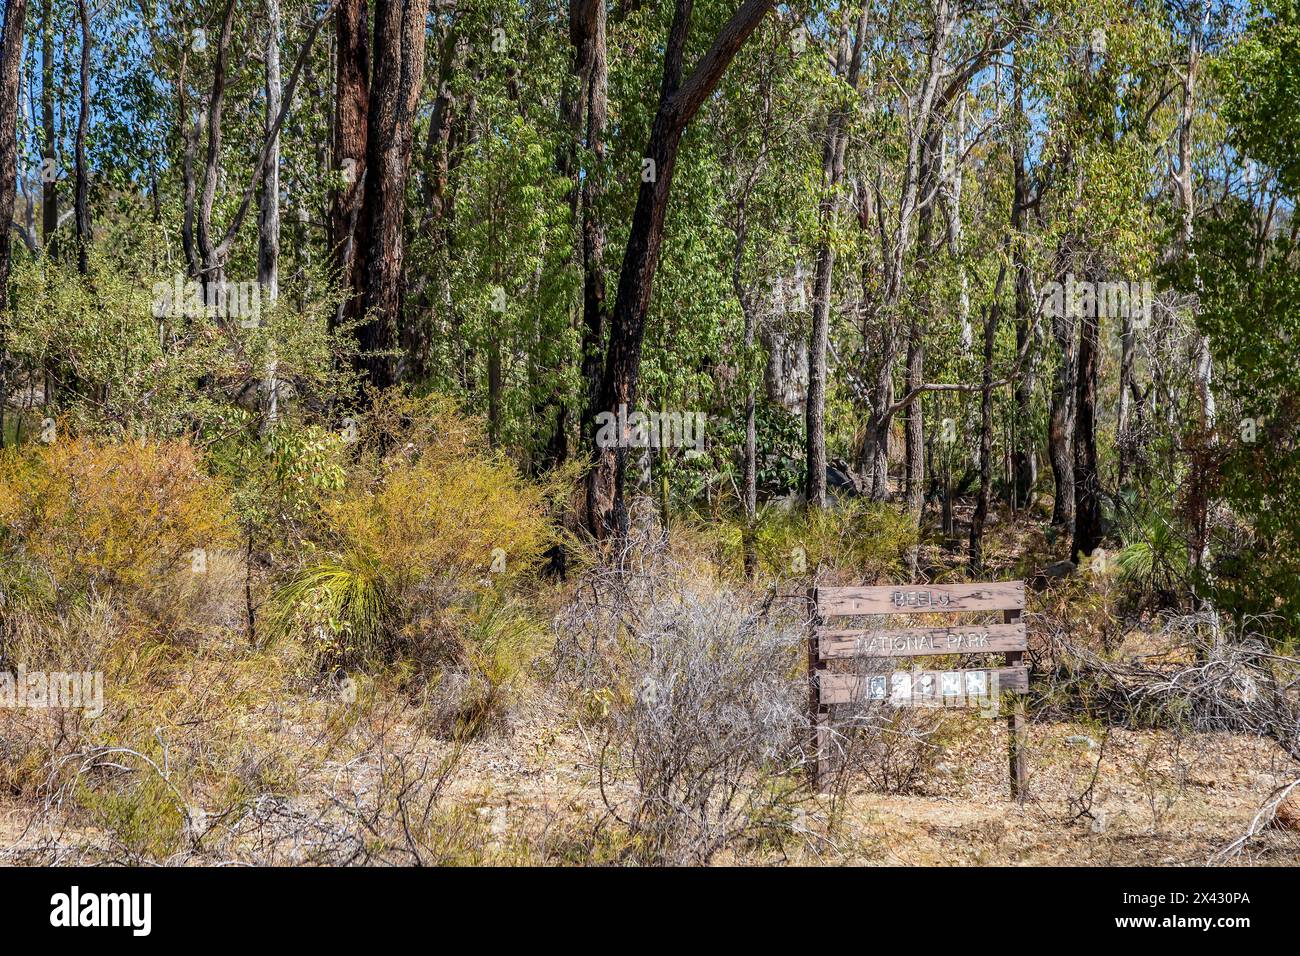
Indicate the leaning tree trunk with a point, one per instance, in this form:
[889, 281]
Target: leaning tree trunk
[678, 103]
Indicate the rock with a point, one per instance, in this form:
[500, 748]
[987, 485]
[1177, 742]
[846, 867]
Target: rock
[1059, 569]
[841, 482]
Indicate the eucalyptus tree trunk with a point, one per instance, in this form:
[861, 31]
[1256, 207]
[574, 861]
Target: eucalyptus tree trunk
[914, 455]
[268, 233]
[848, 64]
[1060, 424]
[985, 497]
[11, 56]
[1202, 363]
[897, 254]
[49, 159]
[1087, 480]
[82, 199]
[399, 36]
[351, 109]
[679, 101]
[1025, 454]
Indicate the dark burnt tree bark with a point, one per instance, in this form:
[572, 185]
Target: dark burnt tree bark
[11, 55]
[679, 101]
[82, 200]
[993, 312]
[589, 118]
[379, 247]
[1087, 482]
[351, 106]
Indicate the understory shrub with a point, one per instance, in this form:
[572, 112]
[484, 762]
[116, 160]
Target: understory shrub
[696, 688]
[428, 523]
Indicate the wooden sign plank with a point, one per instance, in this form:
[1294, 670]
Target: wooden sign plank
[921, 641]
[921, 599]
[921, 688]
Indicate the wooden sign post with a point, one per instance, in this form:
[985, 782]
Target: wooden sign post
[959, 687]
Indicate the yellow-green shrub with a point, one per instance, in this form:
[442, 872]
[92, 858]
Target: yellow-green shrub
[80, 518]
[429, 519]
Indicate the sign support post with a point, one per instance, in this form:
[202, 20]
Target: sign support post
[1016, 735]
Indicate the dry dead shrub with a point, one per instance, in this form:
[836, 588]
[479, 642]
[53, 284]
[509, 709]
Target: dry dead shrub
[896, 750]
[697, 695]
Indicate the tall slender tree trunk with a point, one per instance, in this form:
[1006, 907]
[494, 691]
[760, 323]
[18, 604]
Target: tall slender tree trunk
[49, 156]
[11, 56]
[985, 498]
[914, 456]
[1025, 454]
[1202, 363]
[587, 29]
[1087, 481]
[268, 232]
[848, 64]
[897, 255]
[1124, 438]
[82, 200]
[351, 109]
[268, 235]
[833, 151]
[1061, 424]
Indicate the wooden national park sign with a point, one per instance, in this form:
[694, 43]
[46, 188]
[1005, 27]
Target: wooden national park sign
[883, 684]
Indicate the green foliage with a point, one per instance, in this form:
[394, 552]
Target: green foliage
[1248, 278]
